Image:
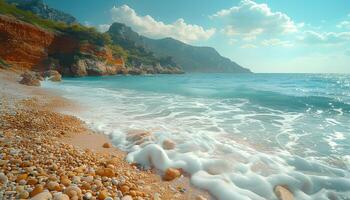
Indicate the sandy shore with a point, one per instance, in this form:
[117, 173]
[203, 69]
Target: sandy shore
[46, 154]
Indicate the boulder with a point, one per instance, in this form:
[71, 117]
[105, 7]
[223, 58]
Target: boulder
[52, 75]
[30, 79]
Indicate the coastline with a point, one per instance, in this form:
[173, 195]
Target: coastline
[36, 138]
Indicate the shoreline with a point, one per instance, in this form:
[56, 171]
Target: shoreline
[19, 127]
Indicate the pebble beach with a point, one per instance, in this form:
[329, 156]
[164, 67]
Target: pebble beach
[49, 155]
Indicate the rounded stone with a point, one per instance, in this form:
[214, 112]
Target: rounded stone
[23, 194]
[171, 174]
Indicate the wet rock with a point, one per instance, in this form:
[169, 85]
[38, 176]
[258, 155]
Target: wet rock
[106, 145]
[52, 75]
[168, 145]
[139, 137]
[171, 174]
[283, 193]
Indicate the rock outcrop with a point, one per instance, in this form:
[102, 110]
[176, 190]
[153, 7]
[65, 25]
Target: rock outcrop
[52, 75]
[30, 79]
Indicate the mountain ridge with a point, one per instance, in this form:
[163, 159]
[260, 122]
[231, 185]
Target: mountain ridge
[190, 58]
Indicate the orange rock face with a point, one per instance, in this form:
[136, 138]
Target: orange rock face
[23, 44]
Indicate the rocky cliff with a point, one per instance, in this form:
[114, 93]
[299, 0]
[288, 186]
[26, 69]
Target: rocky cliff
[33, 41]
[26, 46]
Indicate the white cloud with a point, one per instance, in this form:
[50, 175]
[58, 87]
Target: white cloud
[249, 46]
[148, 26]
[328, 38]
[232, 41]
[277, 42]
[344, 24]
[103, 27]
[251, 19]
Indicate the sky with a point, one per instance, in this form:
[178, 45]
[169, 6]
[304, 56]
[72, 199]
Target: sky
[266, 36]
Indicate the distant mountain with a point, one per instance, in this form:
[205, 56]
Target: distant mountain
[190, 58]
[39, 8]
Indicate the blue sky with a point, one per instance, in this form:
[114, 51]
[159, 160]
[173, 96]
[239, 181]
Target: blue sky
[264, 35]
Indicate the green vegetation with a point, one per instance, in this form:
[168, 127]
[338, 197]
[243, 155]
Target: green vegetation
[3, 64]
[89, 34]
[118, 51]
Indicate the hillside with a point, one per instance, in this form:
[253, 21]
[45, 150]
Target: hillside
[190, 58]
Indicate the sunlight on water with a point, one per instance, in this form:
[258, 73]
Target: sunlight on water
[287, 129]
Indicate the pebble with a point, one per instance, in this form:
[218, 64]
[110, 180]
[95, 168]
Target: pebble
[87, 196]
[168, 144]
[38, 189]
[103, 195]
[60, 196]
[127, 197]
[3, 179]
[53, 186]
[171, 174]
[72, 191]
[106, 145]
[283, 193]
[115, 182]
[65, 181]
[23, 194]
[46, 195]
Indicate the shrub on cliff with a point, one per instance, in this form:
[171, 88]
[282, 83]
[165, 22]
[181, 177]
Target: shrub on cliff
[4, 65]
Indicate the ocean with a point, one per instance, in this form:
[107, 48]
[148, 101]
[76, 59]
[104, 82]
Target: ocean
[237, 135]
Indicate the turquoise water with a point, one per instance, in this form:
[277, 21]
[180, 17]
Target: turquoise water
[288, 124]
